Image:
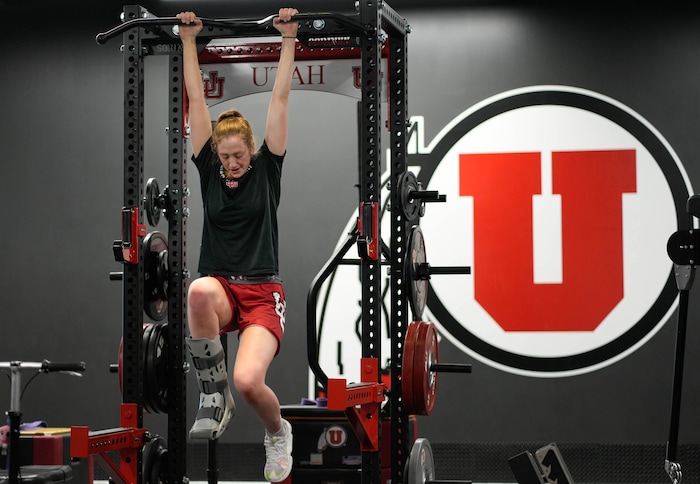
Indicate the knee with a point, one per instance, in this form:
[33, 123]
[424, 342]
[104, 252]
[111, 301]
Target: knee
[201, 294]
[249, 388]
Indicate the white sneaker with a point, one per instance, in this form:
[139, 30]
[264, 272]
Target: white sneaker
[278, 452]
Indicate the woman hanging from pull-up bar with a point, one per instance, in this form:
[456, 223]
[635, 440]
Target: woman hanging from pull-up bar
[239, 288]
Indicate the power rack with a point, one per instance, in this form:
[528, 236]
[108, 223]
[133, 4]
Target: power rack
[373, 29]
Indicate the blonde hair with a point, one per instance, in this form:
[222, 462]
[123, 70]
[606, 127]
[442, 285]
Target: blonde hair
[232, 123]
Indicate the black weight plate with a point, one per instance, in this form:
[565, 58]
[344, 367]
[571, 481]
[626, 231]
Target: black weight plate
[154, 304]
[120, 364]
[149, 373]
[155, 460]
[150, 202]
[417, 285]
[163, 272]
[147, 366]
[410, 206]
[157, 359]
[421, 467]
[120, 356]
[162, 368]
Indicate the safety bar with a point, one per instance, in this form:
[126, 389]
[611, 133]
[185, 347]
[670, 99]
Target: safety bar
[310, 23]
[312, 301]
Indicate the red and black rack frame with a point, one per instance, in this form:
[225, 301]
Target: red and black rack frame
[374, 26]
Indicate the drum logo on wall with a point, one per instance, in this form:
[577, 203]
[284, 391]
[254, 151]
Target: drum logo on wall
[561, 201]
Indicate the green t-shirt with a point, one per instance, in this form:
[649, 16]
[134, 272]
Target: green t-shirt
[240, 235]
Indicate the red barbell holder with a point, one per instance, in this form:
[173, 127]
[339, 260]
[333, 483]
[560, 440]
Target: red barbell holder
[126, 439]
[368, 395]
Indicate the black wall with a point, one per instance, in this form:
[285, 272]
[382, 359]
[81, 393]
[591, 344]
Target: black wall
[61, 185]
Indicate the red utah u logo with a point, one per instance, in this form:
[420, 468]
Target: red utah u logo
[590, 185]
[336, 436]
[561, 201]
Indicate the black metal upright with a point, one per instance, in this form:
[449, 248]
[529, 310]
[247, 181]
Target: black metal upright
[383, 24]
[177, 275]
[397, 107]
[370, 171]
[132, 210]
[137, 45]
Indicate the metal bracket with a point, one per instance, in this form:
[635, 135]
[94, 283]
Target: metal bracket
[367, 395]
[127, 439]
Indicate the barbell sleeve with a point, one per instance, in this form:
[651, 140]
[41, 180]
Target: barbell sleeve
[427, 196]
[450, 368]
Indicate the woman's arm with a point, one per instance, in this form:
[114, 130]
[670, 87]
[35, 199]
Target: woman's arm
[199, 117]
[276, 131]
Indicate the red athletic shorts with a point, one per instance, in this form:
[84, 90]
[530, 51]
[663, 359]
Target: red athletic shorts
[256, 303]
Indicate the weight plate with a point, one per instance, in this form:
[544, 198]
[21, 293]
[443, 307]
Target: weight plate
[408, 368]
[154, 350]
[147, 365]
[155, 361]
[148, 369]
[155, 461]
[410, 206]
[161, 369]
[163, 272]
[155, 302]
[421, 466]
[424, 379]
[120, 359]
[151, 203]
[418, 284]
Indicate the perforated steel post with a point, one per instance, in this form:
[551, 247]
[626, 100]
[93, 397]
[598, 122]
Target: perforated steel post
[133, 194]
[132, 282]
[370, 170]
[397, 31]
[177, 275]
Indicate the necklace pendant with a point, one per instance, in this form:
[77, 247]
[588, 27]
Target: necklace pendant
[229, 182]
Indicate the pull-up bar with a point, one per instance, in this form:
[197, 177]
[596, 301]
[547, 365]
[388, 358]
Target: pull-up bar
[310, 24]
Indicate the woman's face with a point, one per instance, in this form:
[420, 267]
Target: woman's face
[234, 155]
